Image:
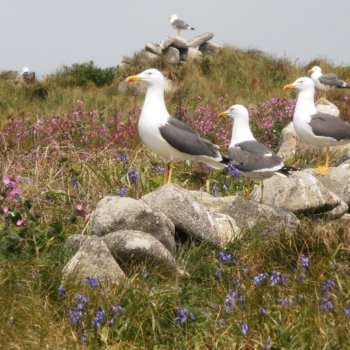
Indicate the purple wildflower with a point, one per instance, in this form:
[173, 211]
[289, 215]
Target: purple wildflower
[92, 281]
[244, 328]
[304, 260]
[123, 157]
[325, 304]
[75, 316]
[263, 310]
[347, 310]
[218, 272]
[261, 277]
[116, 310]
[182, 316]
[233, 171]
[61, 290]
[121, 191]
[133, 175]
[244, 269]
[99, 317]
[278, 278]
[160, 168]
[75, 183]
[225, 258]
[229, 301]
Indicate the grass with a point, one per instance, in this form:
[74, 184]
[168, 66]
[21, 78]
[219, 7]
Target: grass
[71, 139]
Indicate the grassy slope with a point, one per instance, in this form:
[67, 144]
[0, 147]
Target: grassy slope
[32, 316]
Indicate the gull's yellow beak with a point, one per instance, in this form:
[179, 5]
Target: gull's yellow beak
[289, 87]
[310, 70]
[222, 114]
[133, 78]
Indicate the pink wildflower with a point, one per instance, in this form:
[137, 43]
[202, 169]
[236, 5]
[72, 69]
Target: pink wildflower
[79, 102]
[12, 194]
[79, 207]
[11, 181]
[4, 210]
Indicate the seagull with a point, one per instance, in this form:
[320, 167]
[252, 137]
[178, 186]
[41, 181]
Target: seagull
[314, 127]
[179, 24]
[166, 136]
[326, 82]
[25, 74]
[253, 159]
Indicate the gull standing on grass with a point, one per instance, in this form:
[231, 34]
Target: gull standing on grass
[166, 136]
[314, 127]
[179, 25]
[253, 159]
[326, 82]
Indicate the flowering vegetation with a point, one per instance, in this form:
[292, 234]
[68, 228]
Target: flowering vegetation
[61, 155]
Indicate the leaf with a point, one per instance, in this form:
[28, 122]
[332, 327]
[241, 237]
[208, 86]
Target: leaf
[13, 234]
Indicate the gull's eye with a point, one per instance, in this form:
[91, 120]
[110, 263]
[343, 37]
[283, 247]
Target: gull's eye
[149, 73]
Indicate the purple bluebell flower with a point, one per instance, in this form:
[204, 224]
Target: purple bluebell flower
[304, 260]
[244, 269]
[278, 278]
[347, 310]
[75, 316]
[82, 335]
[263, 310]
[123, 157]
[224, 188]
[229, 301]
[325, 304]
[121, 191]
[99, 317]
[244, 328]
[326, 286]
[116, 310]
[225, 258]
[82, 299]
[182, 316]
[267, 344]
[92, 282]
[133, 175]
[61, 290]
[233, 171]
[160, 169]
[218, 272]
[260, 278]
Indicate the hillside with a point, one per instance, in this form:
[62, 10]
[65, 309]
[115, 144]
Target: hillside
[71, 139]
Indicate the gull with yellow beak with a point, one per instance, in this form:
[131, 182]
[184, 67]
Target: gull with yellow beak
[166, 136]
[316, 128]
[326, 82]
[253, 159]
[178, 24]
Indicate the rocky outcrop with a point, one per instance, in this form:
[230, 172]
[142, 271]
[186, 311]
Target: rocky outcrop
[176, 49]
[93, 259]
[301, 193]
[122, 213]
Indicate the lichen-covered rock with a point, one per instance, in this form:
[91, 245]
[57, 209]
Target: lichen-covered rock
[208, 48]
[246, 213]
[178, 42]
[191, 218]
[172, 54]
[336, 180]
[190, 54]
[200, 39]
[94, 259]
[154, 48]
[133, 246]
[114, 213]
[300, 193]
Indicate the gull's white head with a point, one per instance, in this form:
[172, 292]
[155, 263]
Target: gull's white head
[236, 112]
[23, 70]
[150, 77]
[301, 84]
[315, 69]
[172, 18]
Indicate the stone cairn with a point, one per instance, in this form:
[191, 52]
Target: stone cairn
[176, 49]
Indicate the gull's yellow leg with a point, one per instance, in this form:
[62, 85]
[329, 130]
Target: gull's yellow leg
[248, 188]
[262, 192]
[166, 167]
[170, 172]
[322, 170]
[324, 96]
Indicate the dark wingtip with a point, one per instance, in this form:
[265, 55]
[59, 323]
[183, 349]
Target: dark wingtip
[285, 170]
[225, 160]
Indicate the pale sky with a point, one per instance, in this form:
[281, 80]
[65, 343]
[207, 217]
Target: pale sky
[43, 35]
